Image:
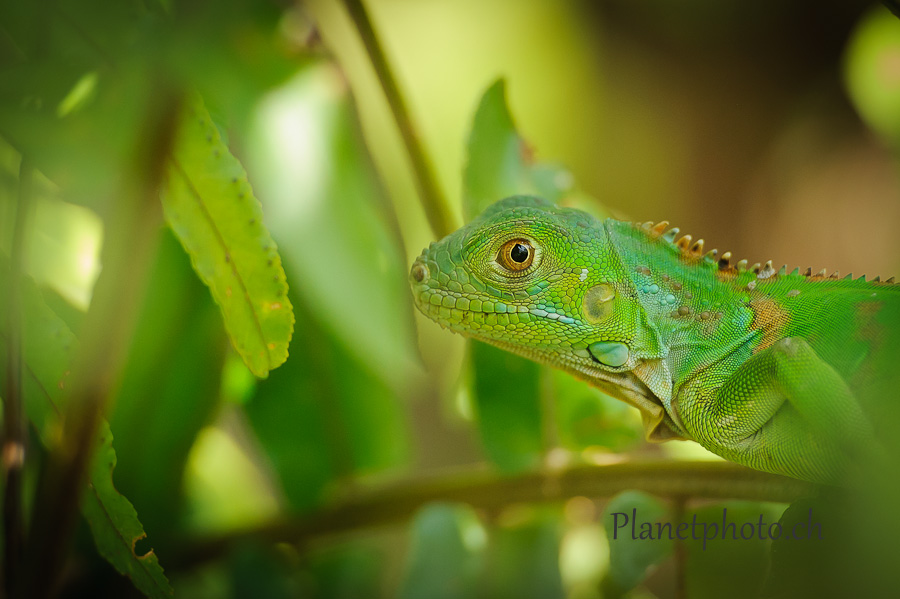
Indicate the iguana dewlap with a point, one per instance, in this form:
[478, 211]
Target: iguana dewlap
[774, 370]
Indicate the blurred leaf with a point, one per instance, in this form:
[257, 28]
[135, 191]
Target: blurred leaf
[523, 558]
[172, 375]
[324, 414]
[233, 51]
[735, 562]
[335, 228]
[225, 488]
[446, 555]
[47, 350]
[837, 544]
[872, 72]
[508, 403]
[630, 557]
[349, 570]
[261, 572]
[62, 102]
[210, 206]
[588, 417]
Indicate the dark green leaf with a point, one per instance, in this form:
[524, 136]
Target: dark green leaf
[168, 378]
[324, 414]
[508, 403]
[210, 206]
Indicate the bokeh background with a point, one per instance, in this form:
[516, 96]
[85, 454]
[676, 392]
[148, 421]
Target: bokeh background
[768, 128]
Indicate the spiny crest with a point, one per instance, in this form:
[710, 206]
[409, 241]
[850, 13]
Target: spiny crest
[684, 245]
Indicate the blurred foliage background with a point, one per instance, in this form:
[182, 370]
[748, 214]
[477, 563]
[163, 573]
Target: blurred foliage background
[382, 459]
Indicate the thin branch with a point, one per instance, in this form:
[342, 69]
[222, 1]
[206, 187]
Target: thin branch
[485, 490]
[14, 428]
[433, 200]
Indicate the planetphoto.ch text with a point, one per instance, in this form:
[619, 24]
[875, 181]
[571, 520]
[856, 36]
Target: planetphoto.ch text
[631, 525]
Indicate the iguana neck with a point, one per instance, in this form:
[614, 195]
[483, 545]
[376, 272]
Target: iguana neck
[696, 315]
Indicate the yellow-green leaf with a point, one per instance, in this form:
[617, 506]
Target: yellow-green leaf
[210, 206]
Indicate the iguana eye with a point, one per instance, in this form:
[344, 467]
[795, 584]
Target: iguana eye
[516, 255]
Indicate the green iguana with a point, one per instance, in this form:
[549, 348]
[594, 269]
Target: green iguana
[774, 370]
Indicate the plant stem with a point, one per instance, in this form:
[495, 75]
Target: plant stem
[433, 200]
[14, 431]
[485, 490]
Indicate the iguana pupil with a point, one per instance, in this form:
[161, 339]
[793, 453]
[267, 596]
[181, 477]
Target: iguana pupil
[519, 253]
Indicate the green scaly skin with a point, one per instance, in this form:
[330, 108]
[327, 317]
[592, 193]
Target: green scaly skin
[782, 372]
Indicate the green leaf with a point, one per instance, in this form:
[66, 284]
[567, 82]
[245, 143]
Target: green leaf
[211, 208]
[115, 526]
[587, 417]
[446, 553]
[629, 555]
[508, 403]
[500, 162]
[47, 351]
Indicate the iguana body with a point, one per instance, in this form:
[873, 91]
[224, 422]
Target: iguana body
[778, 371]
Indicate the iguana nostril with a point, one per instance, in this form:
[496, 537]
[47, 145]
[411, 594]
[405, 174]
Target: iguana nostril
[419, 272]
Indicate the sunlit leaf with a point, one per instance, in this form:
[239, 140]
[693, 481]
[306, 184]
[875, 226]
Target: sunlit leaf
[872, 72]
[47, 350]
[632, 552]
[210, 206]
[446, 554]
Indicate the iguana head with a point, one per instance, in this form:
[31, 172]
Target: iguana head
[543, 282]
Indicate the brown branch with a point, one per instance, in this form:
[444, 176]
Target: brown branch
[486, 490]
